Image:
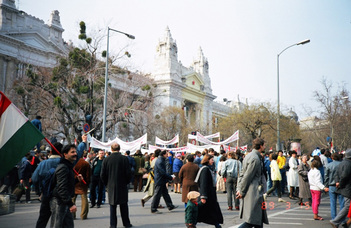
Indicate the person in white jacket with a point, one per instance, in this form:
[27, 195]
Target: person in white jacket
[316, 186]
[276, 178]
[293, 175]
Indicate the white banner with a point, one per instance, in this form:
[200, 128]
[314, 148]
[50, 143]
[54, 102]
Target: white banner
[201, 138]
[193, 148]
[215, 135]
[175, 150]
[131, 146]
[170, 142]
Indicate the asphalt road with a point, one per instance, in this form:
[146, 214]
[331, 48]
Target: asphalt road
[287, 214]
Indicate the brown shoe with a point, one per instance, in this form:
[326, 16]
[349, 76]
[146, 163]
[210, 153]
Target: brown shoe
[230, 208]
[142, 202]
[160, 206]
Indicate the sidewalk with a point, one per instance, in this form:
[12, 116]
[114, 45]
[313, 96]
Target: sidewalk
[287, 214]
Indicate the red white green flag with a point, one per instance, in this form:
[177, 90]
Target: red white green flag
[17, 135]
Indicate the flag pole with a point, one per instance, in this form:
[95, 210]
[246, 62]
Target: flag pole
[53, 147]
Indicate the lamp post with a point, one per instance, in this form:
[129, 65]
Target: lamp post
[278, 101]
[106, 79]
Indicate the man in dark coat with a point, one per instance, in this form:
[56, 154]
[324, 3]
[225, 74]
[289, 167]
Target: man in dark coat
[116, 174]
[161, 178]
[343, 187]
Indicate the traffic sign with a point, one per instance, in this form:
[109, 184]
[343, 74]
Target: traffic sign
[86, 127]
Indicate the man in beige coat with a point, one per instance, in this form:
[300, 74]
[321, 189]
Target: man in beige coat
[250, 188]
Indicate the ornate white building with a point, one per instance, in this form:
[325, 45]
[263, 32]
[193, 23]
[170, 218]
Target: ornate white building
[25, 39]
[186, 87]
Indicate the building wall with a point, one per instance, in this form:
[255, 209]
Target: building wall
[25, 39]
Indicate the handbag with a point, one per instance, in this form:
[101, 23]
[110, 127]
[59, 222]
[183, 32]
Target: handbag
[141, 170]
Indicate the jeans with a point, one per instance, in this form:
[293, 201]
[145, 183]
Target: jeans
[276, 185]
[61, 216]
[44, 212]
[161, 190]
[96, 182]
[231, 190]
[340, 217]
[333, 198]
[284, 180]
[124, 214]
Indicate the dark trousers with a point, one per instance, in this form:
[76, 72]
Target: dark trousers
[61, 216]
[276, 185]
[44, 213]
[160, 190]
[231, 191]
[96, 182]
[124, 214]
[284, 180]
[138, 182]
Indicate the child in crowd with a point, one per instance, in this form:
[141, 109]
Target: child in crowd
[316, 186]
[192, 210]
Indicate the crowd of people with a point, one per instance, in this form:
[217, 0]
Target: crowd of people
[248, 179]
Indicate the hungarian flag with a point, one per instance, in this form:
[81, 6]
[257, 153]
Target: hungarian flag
[17, 135]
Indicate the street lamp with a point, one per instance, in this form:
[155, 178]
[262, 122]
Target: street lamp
[106, 78]
[278, 106]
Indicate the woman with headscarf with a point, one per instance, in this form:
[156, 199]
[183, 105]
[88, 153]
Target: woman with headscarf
[210, 211]
[304, 190]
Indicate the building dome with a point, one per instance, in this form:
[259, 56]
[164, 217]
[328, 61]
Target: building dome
[293, 115]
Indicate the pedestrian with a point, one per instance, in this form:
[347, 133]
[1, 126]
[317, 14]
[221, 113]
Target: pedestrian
[276, 178]
[37, 123]
[64, 182]
[161, 178]
[25, 174]
[198, 158]
[131, 164]
[187, 175]
[39, 176]
[304, 186]
[82, 146]
[316, 186]
[139, 171]
[250, 187]
[177, 165]
[150, 184]
[281, 160]
[329, 179]
[116, 174]
[96, 182]
[192, 210]
[293, 176]
[169, 168]
[343, 185]
[209, 212]
[220, 179]
[232, 168]
[81, 188]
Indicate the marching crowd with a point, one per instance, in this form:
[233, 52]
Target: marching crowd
[247, 179]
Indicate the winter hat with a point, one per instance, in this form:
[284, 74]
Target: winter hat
[193, 195]
[348, 153]
[178, 155]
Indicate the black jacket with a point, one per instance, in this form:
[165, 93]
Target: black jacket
[343, 176]
[64, 182]
[160, 174]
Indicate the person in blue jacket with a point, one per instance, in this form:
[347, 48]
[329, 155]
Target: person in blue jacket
[177, 164]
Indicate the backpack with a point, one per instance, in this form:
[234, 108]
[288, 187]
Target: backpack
[47, 183]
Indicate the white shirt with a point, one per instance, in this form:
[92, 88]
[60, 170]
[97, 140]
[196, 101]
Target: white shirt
[315, 180]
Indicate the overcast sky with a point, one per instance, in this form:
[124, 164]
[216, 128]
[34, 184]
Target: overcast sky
[241, 40]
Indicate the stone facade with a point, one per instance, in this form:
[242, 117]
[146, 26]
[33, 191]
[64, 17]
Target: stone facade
[25, 39]
[186, 87]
